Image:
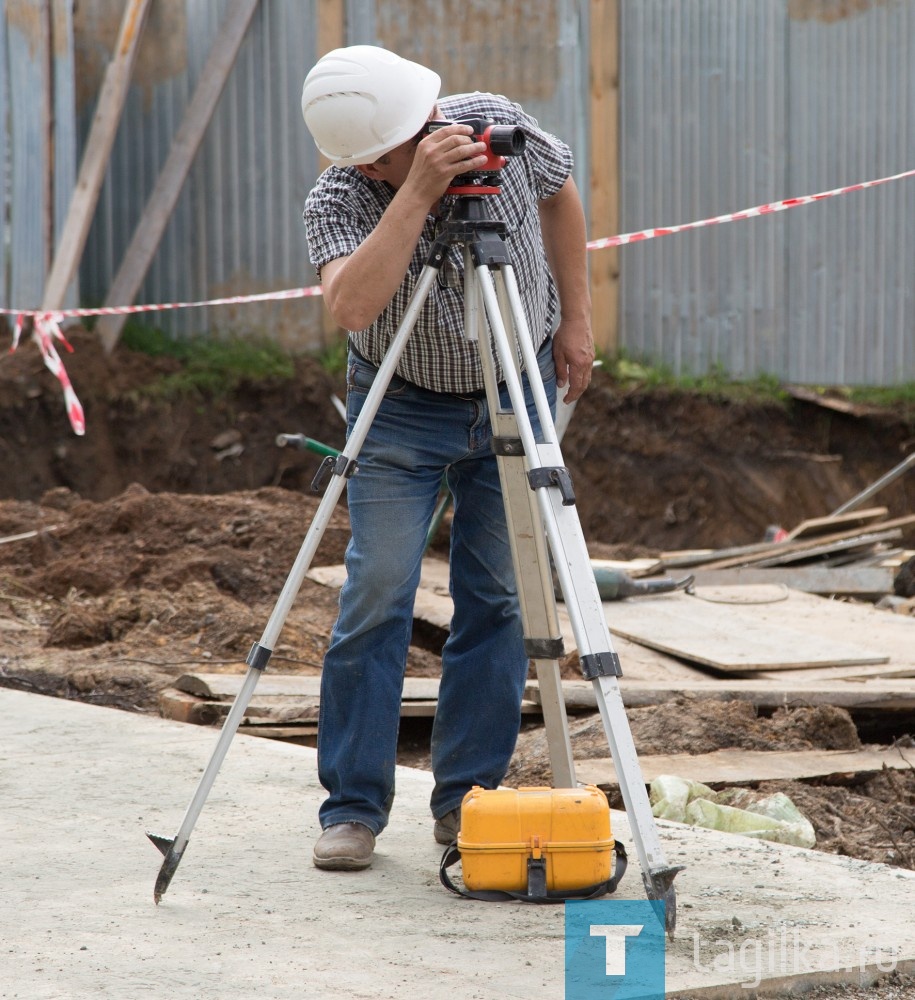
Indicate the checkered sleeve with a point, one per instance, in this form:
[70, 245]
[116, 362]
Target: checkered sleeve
[336, 224]
[548, 159]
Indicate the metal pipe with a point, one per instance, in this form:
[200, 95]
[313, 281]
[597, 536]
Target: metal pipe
[894, 473]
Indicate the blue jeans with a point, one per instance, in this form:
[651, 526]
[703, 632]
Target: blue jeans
[417, 436]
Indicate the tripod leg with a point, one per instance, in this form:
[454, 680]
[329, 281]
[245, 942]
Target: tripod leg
[550, 481]
[542, 634]
[342, 467]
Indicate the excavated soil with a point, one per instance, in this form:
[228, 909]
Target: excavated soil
[158, 543]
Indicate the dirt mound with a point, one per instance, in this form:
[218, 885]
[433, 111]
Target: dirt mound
[652, 468]
[243, 543]
[694, 726]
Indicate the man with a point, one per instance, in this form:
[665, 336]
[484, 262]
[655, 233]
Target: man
[370, 221]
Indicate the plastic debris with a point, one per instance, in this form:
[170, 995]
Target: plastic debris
[774, 817]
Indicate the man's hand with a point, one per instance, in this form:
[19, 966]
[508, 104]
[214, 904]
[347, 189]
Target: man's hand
[563, 223]
[573, 355]
[441, 156]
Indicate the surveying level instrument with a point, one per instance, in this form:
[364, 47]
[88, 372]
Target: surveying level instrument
[542, 520]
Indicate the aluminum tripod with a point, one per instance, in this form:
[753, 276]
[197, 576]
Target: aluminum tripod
[542, 521]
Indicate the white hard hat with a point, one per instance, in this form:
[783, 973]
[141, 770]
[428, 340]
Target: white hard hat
[362, 101]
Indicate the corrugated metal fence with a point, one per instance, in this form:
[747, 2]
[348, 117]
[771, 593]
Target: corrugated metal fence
[730, 105]
[722, 106]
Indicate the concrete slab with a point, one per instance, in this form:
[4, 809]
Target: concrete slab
[248, 915]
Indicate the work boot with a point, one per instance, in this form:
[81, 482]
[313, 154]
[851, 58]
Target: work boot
[447, 827]
[344, 847]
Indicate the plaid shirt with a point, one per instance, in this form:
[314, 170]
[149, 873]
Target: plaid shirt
[344, 207]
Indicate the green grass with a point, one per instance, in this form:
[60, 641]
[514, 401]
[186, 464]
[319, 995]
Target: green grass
[210, 368]
[332, 357]
[718, 385]
[715, 384]
[900, 397]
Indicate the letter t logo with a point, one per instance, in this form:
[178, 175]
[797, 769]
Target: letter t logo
[615, 953]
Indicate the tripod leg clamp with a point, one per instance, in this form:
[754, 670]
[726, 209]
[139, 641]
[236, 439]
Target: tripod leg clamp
[259, 656]
[557, 475]
[338, 465]
[594, 665]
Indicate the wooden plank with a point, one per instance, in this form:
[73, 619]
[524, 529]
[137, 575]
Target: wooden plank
[604, 159]
[742, 766]
[168, 186]
[830, 524]
[182, 707]
[226, 686]
[808, 395]
[727, 637]
[205, 698]
[854, 673]
[866, 544]
[94, 165]
[176, 704]
[889, 695]
[331, 35]
[781, 549]
[847, 580]
[305, 734]
[893, 636]
[738, 555]
[255, 728]
[634, 567]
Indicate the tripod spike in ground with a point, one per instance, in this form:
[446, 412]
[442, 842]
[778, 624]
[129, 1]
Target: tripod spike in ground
[659, 885]
[166, 845]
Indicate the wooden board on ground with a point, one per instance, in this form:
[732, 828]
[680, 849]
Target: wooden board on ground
[225, 686]
[839, 541]
[276, 710]
[740, 555]
[841, 522]
[887, 695]
[434, 606]
[634, 567]
[846, 580]
[880, 643]
[859, 673]
[729, 636]
[305, 734]
[745, 766]
[280, 700]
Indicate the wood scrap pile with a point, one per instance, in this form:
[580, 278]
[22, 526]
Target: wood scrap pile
[856, 554]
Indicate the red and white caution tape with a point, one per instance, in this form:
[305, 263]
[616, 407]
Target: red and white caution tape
[47, 324]
[45, 330]
[289, 293]
[747, 213]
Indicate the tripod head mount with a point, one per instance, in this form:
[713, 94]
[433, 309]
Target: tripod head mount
[467, 222]
[474, 183]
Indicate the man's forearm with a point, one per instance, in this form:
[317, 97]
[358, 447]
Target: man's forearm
[562, 221]
[358, 288]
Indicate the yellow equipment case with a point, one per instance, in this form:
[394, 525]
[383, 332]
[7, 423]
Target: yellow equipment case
[541, 844]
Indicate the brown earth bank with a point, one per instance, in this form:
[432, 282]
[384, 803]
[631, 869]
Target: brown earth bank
[157, 544]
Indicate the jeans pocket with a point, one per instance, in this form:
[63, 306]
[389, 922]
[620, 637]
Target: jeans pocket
[361, 375]
[545, 361]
